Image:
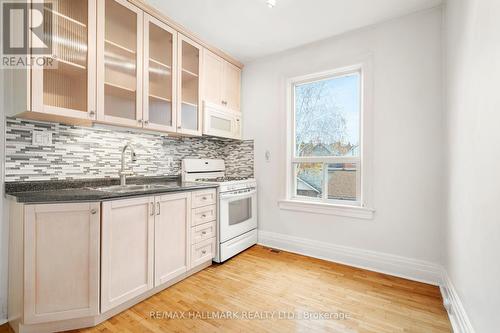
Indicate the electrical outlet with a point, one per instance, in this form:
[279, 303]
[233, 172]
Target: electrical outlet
[41, 138]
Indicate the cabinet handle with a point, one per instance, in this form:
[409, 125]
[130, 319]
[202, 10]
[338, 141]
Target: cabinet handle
[157, 208]
[152, 209]
[93, 211]
[203, 232]
[203, 216]
[139, 121]
[204, 198]
[204, 252]
[146, 122]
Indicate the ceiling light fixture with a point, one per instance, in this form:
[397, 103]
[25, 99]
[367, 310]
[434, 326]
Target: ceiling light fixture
[271, 3]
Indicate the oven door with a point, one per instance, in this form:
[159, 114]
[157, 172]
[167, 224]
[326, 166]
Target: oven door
[238, 214]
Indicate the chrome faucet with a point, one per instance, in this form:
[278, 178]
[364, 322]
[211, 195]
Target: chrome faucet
[124, 173]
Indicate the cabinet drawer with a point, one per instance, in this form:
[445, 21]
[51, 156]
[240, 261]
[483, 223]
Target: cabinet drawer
[203, 215]
[202, 252]
[202, 232]
[204, 198]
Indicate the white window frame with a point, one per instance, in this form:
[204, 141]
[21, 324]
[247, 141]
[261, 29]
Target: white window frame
[361, 207]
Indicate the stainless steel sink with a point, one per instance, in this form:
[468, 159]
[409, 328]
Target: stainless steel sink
[132, 188]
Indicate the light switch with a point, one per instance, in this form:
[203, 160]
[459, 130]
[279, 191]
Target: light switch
[41, 138]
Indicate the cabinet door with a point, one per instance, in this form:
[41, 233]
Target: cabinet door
[232, 86]
[160, 46]
[213, 73]
[127, 250]
[61, 262]
[119, 63]
[172, 236]
[189, 102]
[66, 86]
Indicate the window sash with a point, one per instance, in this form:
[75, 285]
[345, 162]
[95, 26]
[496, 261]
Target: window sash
[325, 160]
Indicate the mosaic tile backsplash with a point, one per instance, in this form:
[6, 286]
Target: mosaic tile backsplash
[95, 152]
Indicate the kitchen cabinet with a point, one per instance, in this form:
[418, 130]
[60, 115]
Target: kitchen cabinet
[115, 63]
[203, 227]
[172, 221]
[127, 250]
[160, 76]
[61, 261]
[222, 82]
[74, 264]
[66, 86]
[189, 86]
[119, 63]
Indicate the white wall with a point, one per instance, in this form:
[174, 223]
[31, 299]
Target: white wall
[473, 120]
[408, 136]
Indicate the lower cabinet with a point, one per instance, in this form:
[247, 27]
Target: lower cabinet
[127, 250]
[172, 222]
[146, 242]
[77, 261]
[61, 261]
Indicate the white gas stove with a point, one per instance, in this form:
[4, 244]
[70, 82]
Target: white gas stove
[237, 217]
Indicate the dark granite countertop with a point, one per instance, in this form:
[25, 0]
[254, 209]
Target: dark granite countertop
[59, 191]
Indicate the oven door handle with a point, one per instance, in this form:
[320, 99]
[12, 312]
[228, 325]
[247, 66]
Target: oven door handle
[236, 196]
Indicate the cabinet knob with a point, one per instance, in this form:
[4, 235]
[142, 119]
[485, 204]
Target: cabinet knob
[91, 114]
[146, 122]
[203, 216]
[139, 121]
[204, 252]
[93, 211]
[203, 232]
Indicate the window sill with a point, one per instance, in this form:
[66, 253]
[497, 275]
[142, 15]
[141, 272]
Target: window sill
[327, 209]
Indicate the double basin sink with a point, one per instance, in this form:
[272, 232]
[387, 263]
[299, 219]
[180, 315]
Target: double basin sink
[134, 188]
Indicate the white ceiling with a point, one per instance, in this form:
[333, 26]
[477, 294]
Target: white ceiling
[248, 29]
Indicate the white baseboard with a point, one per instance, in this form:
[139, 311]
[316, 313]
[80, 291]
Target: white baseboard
[412, 269]
[456, 312]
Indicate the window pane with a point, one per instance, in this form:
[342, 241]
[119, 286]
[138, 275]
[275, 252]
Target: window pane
[342, 180]
[309, 180]
[327, 117]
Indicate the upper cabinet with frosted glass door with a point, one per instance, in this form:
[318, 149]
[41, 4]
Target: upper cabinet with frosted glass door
[119, 63]
[160, 54]
[66, 85]
[189, 83]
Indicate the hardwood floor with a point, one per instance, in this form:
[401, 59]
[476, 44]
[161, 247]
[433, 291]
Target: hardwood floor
[281, 285]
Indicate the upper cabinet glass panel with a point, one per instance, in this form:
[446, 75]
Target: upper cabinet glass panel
[122, 50]
[189, 66]
[160, 42]
[63, 88]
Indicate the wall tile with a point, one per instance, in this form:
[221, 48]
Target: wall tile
[95, 152]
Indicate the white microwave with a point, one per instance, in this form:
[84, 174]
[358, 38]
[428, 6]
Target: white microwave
[221, 122]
